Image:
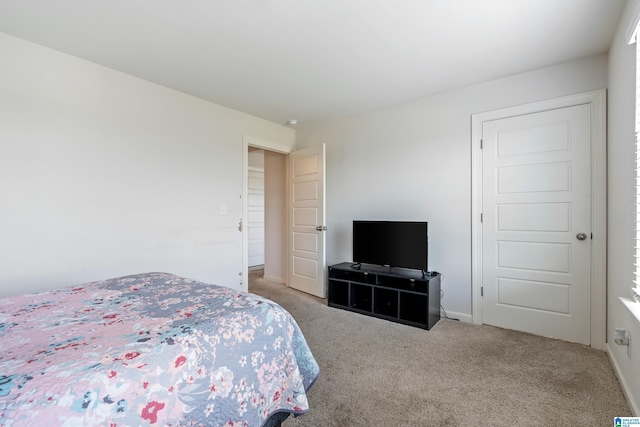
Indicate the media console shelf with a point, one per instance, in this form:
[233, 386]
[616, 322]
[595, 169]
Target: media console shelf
[399, 295]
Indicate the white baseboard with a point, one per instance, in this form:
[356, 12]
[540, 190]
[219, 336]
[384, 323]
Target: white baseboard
[625, 387]
[463, 317]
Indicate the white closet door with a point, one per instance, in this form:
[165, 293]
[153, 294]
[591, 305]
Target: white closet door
[537, 223]
[255, 217]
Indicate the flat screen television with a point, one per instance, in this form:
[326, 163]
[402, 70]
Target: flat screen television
[391, 243]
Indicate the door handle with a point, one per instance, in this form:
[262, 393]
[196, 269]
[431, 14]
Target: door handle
[321, 228]
[581, 236]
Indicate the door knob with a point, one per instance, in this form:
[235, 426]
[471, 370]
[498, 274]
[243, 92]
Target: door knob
[321, 228]
[581, 236]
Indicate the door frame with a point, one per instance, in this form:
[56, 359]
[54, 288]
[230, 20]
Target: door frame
[247, 141]
[597, 101]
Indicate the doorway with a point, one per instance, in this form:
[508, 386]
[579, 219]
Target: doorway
[290, 172]
[266, 212]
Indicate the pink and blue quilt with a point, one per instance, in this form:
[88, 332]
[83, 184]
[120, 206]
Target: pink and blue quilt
[150, 350]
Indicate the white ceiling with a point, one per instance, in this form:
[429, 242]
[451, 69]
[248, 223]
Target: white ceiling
[316, 59]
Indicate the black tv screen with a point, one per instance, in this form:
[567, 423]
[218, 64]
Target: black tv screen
[391, 243]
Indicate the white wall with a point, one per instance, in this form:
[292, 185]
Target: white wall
[621, 219]
[103, 174]
[413, 162]
[275, 184]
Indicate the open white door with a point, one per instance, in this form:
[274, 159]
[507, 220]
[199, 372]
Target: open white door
[306, 218]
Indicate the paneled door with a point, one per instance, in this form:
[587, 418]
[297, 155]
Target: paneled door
[307, 216]
[536, 226]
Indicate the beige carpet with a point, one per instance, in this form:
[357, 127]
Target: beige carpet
[380, 373]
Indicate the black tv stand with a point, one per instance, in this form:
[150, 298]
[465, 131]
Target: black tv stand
[406, 296]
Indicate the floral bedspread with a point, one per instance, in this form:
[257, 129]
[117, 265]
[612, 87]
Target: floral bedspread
[150, 349]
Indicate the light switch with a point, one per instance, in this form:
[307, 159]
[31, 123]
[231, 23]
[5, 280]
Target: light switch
[223, 209]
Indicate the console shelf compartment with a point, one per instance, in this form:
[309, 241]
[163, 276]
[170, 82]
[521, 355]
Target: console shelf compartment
[400, 295]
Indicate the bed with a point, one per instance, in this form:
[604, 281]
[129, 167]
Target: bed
[152, 349]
